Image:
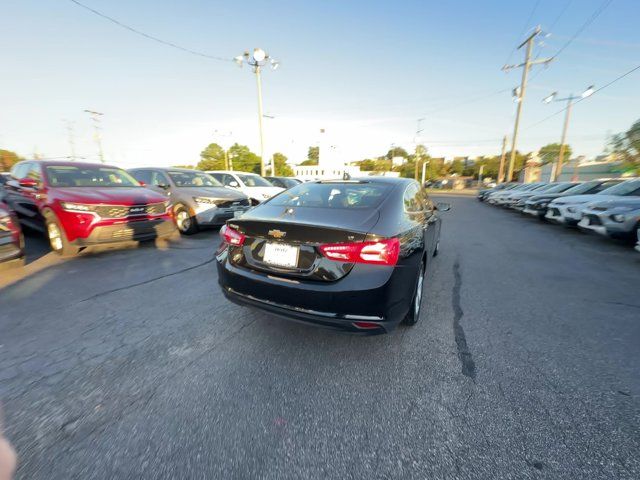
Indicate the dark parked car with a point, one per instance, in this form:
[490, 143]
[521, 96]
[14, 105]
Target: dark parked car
[284, 182]
[11, 239]
[537, 204]
[80, 204]
[348, 254]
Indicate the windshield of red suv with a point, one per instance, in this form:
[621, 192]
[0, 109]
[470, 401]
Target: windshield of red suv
[193, 179]
[88, 176]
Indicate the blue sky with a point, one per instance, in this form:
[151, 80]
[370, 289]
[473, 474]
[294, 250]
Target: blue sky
[363, 70]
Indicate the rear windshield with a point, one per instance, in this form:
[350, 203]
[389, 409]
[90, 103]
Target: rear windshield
[193, 179]
[254, 180]
[89, 176]
[332, 195]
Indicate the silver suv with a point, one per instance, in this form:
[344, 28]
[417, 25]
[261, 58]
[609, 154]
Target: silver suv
[198, 199]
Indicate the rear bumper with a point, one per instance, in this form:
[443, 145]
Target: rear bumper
[369, 293]
[141, 230]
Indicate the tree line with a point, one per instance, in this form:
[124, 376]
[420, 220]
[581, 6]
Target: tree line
[625, 145]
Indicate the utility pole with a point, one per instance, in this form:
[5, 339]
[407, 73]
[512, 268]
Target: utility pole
[480, 175]
[95, 116]
[526, 66]
[419, 130]
[502, 158]
[72, 145]
[567, 116]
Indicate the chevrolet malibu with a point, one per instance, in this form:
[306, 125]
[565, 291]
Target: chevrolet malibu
[82, 204]
[346, 254]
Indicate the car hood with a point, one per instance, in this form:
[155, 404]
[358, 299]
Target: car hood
[618, 202]
[211, 192]
[550, 196]
[577, 199]
[107, 195]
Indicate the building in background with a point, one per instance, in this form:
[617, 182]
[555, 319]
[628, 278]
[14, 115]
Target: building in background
[582, 169]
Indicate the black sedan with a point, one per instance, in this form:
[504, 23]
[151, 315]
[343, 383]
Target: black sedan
[11, 239]
[347, 254]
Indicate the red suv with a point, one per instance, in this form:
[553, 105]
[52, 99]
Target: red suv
[81, 204]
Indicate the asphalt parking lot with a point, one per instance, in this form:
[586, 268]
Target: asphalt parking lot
[130, 364]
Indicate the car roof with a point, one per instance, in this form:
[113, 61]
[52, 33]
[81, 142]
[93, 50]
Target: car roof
[167, 169]
[371, 179]
[61, 163]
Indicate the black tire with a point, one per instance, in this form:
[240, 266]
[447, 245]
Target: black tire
[58, 237]
[187, 225]
[413, 315]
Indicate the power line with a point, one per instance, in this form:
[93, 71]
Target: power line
[524, 29]
[597, 12]
[151, 37]
[588, 22]
[562, 12]
[581, 99]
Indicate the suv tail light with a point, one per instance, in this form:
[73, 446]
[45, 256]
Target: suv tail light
[231, 236]
[381, 252]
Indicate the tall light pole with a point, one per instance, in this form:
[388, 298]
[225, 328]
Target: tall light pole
[520, 91]
[95, 117]
[419, 131]
[502, 158]
[257, 60]
[227, 164]
[570, 99]
[72, 145]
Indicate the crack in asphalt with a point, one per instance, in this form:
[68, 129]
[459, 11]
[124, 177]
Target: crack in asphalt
[108, 292]
[465, 356]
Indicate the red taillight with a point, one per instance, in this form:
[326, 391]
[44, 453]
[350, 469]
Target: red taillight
[366, 325]
[231, 236]
[381, 252]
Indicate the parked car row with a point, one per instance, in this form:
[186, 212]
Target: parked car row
[609, 207]
[82, 204]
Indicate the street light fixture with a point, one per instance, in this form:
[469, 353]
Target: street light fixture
[570, 99]
[258, 59]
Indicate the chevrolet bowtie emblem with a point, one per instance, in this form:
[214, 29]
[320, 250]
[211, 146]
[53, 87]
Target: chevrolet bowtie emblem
[277, 233]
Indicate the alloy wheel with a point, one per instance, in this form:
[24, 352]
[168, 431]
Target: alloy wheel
[183, 220]
[55, 236]
[418, 297]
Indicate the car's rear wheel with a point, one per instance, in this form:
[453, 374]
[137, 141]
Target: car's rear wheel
[185, 222]
[416, 304]
[58, 238]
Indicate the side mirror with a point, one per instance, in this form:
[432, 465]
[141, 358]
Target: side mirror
[28, 182]
[142, 184]
[234, 184]
[163, 186]
[443, 207]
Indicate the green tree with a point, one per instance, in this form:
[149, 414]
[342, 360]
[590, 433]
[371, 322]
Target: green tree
[280, 163]
[8, 159]
[309, 162]
[550, 153]
[244, 159]
[627, 147]
[212, 158]
[396, 152]
[314, 155]
[456, 167]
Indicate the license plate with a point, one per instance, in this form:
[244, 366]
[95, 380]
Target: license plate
[281, 255]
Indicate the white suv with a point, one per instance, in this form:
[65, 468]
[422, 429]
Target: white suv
[253, 186]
